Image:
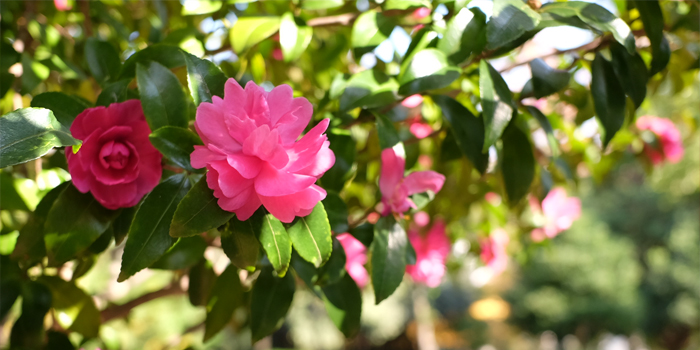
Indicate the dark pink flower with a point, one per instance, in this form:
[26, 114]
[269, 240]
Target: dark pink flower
[253, 155]
[493, 250]
[396, 188]
[355, 258]
[431, 255]
[421, 13]
[116, 161]
[670, 145]
[559, 211]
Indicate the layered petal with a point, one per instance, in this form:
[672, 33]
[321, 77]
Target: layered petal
[392, 172]
[422, 181]
[301, 203]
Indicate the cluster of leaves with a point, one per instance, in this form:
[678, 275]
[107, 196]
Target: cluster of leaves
[446, 62]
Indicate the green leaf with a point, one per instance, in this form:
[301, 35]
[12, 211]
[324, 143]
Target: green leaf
[29, 133]
[428, 70]
[76, 308]
[467, 129]
[201, 278]
[200, 7]
[33, 73]
[73, 223]
[388, 257]
[64, 107]
[510, 20]
[343, 302]
[321, 4]
[121, 224]
[176, 144]
[547, 127]
[162, 97]
[117, 91]
[608, 97]
[240, 243]
[653, 19]
[271, 299]
[11, 198]
[344, 148]
[11, 290]
[294, 39]
[204, 78]
[28, 330]
[369, 30]
[546, 80]
[388, 136]
[170, 56]
[148, 237]
[405, 4]
[185, 253]
[102, 59]
[311, 236]
[518, 165]
[198, 212]
[364, 233]
[274, 240]
[337, 212]
[248, 31]
[631, 72]
[58, 341]
[465, 34]
[225, 297]
[368, 89]
[334, 269]
[496, 103]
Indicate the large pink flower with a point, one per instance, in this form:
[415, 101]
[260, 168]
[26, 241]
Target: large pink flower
[355, 258]
[493, 250]
[670, 145]
[252, 153]
[396, 189]
[431, 254]
[116, 161]
[559, 211]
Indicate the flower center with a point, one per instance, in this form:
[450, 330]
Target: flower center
[114, 155]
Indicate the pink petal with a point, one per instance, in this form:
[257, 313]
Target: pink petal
[412, 101]
[116, 196]
[264, 144]
[256, 104]
[290, 129]
[421, 181]
[285, 208]
[203, 155]
[392, 172]
[279, 100]
[273, 182]
[421, 130]
[229, 181]
[248, 166]
[212, 129]
[79, 176]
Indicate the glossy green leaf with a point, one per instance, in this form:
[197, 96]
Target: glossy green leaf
[364, 233]
[148, 237]
[545, 79]
[225, 297]
[176, 144]
[102, 59]
[369, 30]
[547, 127]
[467, 129]
[608, 97]
[240, 243]
[201, 281]
[321, 4]
[274, 240]
[29, 133]
[73, 223]
[162, 96]
[465, 34]
[58, 341]
[405, 4]
[428, 70]
[122, 223]
[117, 91]
[33, 73]
[200, 7]
[368, 89]
[388, 257]
[248, 31]
[64, 107]
[11, 290]
[198, 212]
[28, 330]
[343, 302]
[11, 198]
[388, 136]
[631, 72]
[510, 20]
[518, 164]
[337, 212]
[76, 308]
[334, 269]
[204, 78]
[311, 236]
[653, 19]
[185, 253]
[294, 38]
[169, 56]
[271, 299]
[344, 148]
[496, 103]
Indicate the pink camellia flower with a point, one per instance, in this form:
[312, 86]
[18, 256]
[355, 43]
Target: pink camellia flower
[412, 101]
[419, 129]
[355, 258]
[559, 211]
[396, 188]
[252, 153]
[670, 145]
[421, 13]
[431, 254]
[62, 5]
[116, 161]
[493, 250]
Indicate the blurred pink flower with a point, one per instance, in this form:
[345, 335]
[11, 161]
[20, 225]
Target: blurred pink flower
[421, 219]
[396, 188]
[62, 5]
[252, 153]
[355, 258]
[431, 254]
[277, 54]
[559, 211]
[492, 198]
[412, 101]
[670, 145]
[417, 27]
[421, 13]
[493, 250]
[419, 129]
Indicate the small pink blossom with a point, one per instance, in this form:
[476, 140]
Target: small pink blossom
[355, 258]
[412, 101]
[421, 13]
[252, 154]
[425, 161]
[493, 250]
[62, 5]
[669, 138]
[396, 188]
[417, 27]
[277, 54]
[419, 129]
[559, 211]
[421, 219]
[431, 255]
[492, 198]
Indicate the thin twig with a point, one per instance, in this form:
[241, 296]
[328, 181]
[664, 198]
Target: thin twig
[85, 9]
[119, 311]
[594, 45]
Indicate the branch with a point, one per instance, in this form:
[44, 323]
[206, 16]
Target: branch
[344, 19]
[85, 9]
[594, 45]
[119, 311]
